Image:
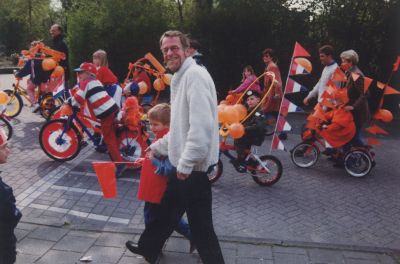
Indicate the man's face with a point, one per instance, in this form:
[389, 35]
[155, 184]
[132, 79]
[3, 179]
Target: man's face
[325, 59]
[173, 53]
[4, 152]
[54, 31]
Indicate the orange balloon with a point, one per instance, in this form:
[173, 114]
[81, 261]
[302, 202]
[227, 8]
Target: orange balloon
[222, 115]
[306, 64]
[232, 115]
[48, 64]
[230, 99]
[383, 115]
[241, 109]
[158, 84]
[57, 72]
[167, 78]
[3, 97]
[142, 87]
[236, 130]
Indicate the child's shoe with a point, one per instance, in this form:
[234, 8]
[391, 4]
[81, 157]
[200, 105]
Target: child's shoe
[239, 166]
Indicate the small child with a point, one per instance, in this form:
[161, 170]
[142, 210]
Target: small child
[9, 213]
[106, 76]
[103, 106]
[38, 78]
[248, 77]
[254, 130]
[152, 185]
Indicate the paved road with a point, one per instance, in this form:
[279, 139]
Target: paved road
[321, 206]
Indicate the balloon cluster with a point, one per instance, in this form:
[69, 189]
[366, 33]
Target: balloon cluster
[229, 115]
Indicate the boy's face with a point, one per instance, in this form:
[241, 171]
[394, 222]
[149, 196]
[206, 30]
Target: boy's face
[252, 101]
[4, 152]
[156, 126]
[83, 76]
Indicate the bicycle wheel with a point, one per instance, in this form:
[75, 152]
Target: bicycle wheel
[58, 144]
[215, 173]
[14, 106]
[129, 147]
[304, 155]
[268, 172]
[6, 126]
[357, 163]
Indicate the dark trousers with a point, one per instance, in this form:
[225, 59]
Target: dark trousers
[192, 195]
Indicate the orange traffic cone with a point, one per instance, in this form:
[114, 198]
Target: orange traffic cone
[105, 172]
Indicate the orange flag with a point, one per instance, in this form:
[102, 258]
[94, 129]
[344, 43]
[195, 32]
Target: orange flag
[367, 83]
[374, 129]
[299, 51]
[373, 141]
[390, 90]
[105, 172]
[338, 76]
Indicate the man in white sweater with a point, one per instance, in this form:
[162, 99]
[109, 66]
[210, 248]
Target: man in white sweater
[326, 58]
[192, 147]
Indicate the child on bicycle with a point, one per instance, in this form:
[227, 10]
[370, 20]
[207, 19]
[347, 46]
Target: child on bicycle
[339, 127]
[152, 184]
[9, 213]
[248, 77]
[38, 78]
[103, 106]
[106, 76]
[254, 127]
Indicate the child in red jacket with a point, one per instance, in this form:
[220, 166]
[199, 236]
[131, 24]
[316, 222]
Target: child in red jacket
[152, 185]
[106, 76]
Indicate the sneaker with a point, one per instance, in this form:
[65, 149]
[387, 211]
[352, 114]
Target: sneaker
[239, 166]
[101, 148]
[119, 170]
[35, 107]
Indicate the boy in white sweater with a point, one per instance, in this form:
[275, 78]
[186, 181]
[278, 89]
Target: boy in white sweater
[192, 147]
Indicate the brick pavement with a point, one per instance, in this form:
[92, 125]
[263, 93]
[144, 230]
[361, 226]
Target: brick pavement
[47, 244]
[321, 206]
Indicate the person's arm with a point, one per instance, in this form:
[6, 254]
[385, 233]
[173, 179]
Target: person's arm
[257, 123]
[201, 124]
[160, 147]
[359, 85]
[245, 84]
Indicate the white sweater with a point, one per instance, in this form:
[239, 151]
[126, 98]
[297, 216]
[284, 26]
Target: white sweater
[320, 87]
[192, 143]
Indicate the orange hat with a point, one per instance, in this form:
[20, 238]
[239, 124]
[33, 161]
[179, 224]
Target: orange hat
[3, 137]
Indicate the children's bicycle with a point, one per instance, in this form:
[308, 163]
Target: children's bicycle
[45, 99]
[5, 123]
[358, 161]
[265, 170]
[61, 139]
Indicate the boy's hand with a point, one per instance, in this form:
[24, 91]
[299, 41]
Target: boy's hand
[182, 176]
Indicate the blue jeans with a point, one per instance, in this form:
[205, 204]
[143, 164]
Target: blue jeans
[149, 216]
